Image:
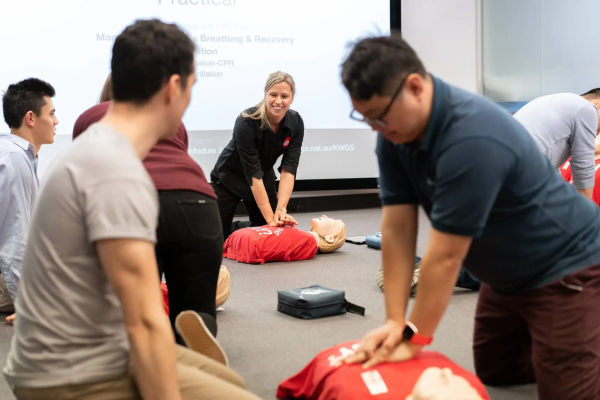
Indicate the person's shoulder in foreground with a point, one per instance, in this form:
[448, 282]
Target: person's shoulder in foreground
[528, 192]
[466, 115]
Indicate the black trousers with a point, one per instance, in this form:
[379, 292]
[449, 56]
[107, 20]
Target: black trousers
[189, 250]
[228, 203]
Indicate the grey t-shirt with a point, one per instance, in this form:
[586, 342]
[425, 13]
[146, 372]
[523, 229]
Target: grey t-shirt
[70, 328]
[564, 125]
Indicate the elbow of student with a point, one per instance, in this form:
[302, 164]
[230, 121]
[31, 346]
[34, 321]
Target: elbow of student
[144, 326]
[449, 265]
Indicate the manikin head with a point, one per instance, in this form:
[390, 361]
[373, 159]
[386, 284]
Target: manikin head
[153, 70]
[593, 96]
[389, 88]
[223, 286]
[29, 111]
[329, 233]
[441, 384]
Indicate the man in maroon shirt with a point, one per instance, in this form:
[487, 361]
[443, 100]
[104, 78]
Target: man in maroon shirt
[189, 246]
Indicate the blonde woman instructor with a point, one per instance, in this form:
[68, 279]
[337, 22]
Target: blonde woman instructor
[244, 170]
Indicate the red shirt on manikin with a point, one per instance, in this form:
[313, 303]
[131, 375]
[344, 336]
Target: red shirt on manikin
[168, 163]
[327, 378]
[565, 171]
[263, 244]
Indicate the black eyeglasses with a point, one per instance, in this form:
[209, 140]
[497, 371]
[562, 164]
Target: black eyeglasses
[355, 115]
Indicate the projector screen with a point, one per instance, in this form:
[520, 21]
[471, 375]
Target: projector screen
[239, 43]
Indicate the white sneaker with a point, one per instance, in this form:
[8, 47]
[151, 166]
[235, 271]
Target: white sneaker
[415, 278]
[197, 337]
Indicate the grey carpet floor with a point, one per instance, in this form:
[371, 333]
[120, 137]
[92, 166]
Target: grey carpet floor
[265, 346]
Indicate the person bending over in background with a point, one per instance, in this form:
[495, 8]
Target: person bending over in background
[90, 304]
[29, 113]
[244, 170]
[567, 173]
[498, 207]
[189, 245]
[565, 125]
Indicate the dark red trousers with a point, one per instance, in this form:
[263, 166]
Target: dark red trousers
[549, 335]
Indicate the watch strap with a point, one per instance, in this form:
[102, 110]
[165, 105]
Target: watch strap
[416, 337]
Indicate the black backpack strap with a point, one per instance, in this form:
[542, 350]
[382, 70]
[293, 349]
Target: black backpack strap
[353, 308]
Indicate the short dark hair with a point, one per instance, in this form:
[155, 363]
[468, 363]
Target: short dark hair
[592, 94]
[145, 55]
[20, 98]
[375, 63]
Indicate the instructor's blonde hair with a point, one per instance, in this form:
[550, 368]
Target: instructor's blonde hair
[262, 114]
[107, 92]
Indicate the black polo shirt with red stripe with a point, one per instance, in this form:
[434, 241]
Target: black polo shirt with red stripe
[253, 151]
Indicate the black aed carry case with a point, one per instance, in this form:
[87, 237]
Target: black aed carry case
[315, 302]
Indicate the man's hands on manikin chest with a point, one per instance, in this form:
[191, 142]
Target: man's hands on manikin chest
[439, 271]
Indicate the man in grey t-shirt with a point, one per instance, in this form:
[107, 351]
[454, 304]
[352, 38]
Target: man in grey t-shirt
[565, 125]
[90, 304]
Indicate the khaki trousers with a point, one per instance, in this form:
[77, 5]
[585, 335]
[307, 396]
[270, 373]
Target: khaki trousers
[6, 304]
[200, 377]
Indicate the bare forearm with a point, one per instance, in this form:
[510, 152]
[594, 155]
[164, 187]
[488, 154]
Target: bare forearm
[398, 266]
[153, 353]
[436, 283]
[286, 187]
[398, 246]
[587, 192]
[262, 199]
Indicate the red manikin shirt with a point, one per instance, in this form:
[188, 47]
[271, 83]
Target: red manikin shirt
[263, 244]
[565, 171]
[326, 378]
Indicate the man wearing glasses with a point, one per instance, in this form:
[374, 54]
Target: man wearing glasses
[498, 207]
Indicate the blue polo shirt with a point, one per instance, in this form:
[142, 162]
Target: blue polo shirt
[478, 173]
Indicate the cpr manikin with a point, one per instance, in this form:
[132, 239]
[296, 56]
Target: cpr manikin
[223, 289]
[330, 233]
[257, 245]
[441, 384]
[428, 376]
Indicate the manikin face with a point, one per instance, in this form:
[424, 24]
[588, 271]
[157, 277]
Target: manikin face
[442, 384]
[326, 227]
[44, 126]
[278, 98]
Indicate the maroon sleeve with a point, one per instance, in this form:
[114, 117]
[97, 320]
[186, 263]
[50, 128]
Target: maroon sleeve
[89, 117]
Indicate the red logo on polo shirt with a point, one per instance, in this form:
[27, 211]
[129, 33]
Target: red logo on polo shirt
[287, 142]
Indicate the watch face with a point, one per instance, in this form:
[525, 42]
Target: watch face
[408, 333]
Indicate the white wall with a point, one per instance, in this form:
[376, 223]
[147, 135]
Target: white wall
[444, 35]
